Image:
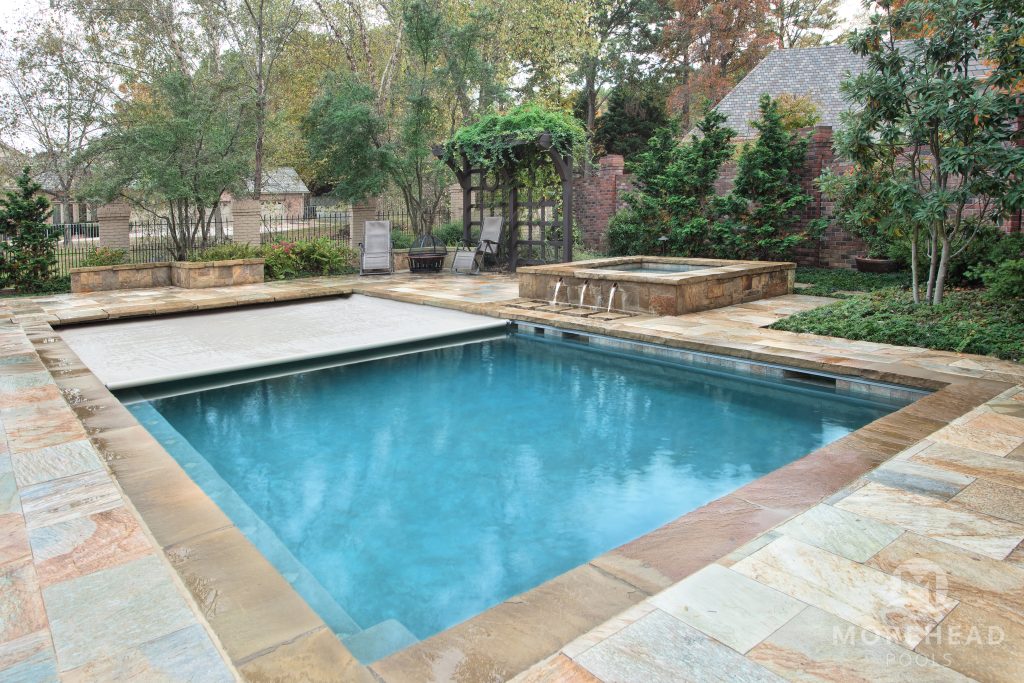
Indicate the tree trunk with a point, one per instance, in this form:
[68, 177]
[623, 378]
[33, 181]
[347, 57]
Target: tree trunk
[915, 282]
[940, 279]
[933, 261]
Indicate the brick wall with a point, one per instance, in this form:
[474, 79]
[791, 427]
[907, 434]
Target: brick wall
[597, 197]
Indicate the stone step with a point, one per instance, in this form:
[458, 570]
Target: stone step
[379, 641]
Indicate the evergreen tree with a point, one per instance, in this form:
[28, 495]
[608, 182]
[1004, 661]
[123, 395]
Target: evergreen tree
[28, 251]
[635, 112]
[768, 182]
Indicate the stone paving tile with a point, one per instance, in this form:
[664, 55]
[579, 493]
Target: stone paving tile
[28, 659]
[316, 656]
[992, 499]
[818, 646]
[717, 601]
[557, 669]
[661, 649]
[185, 655]
[838, 531]
[63, 499]
[967, 577]
[38, 425]
[106, 612]
[918, 478]
[974, 464]
[55, 462]
[978, 439]
[608, 628]
[867, 597]
[929, 517]
[21, 609]
[1002, 424]
[85, 544]
[978, 643]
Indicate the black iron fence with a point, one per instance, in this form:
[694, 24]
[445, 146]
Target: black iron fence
[77, 242]
[152, 241]
[316, 223]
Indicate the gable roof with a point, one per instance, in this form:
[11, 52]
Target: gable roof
[282, 180]
[812, 72]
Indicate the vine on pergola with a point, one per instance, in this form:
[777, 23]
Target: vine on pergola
[520, 154]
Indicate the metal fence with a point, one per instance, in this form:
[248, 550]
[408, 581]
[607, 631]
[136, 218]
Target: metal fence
[315, 223]
[77, 241]
[151, 241]
[402, 233]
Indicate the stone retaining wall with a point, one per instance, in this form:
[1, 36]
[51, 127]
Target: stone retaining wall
[184, 274]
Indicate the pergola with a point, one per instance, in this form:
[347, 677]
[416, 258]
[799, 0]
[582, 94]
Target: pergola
[531, 216]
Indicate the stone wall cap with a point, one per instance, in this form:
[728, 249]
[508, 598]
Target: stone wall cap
[228, 262]
[121, 266]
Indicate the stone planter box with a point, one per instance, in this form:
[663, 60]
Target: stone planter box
[876, 265]
[658, 285]
[184, 274]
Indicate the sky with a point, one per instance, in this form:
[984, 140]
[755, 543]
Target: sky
[12, 9]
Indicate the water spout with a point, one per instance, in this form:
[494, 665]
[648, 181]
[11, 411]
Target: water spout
[611, 296]
[583, 292]
[558, 287]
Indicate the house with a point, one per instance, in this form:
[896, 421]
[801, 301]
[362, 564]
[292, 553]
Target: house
[283, 193]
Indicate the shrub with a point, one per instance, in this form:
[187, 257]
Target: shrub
[229, 251]
[28, 250]
[308, 258]
[401, 239]
[986, 251]
[1005, 281]
[105, 256]
[450, 233]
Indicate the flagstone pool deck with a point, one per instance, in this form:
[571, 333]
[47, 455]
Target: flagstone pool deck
[894, 553]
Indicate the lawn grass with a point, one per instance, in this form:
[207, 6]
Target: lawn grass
[829, 281]
[967, 321]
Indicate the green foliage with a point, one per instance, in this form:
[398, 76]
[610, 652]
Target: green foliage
[675, 194]
[862, 208]
[986, 251]
[229, 251]
[828, 281]
[308, 258]
[450, 233]
[401, 239]
[797, 111]
[105, 256]
[768, 179]
[943, 134]
[966, 321]
[28, 250]
[1005, 281]
[495, 139]
[635, 112]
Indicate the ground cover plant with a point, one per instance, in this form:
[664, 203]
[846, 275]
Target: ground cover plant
[967, 321]
[830, 281]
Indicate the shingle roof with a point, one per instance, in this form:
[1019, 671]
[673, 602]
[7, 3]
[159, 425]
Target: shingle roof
[813, 72]
[283, 180]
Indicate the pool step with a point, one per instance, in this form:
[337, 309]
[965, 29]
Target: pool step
[379, 641]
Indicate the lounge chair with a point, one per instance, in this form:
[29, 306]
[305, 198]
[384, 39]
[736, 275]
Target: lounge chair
[469, 259]
[375, 253]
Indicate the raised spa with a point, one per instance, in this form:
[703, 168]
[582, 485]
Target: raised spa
[403, 495]
[659, 285]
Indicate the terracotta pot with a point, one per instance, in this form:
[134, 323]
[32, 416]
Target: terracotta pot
[877, 265]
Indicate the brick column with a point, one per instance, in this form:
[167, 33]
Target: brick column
[246, 223]
[114, 220]
[455, 201]
[363, 211]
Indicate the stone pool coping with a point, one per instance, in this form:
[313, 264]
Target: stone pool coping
[235, 587]
[601, 269]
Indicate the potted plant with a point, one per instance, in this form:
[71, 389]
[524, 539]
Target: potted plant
[862, 210]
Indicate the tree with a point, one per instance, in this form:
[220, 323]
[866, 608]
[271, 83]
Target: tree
[174, 148]
[625, 37]
[368, 139]
[946, 112]
[768, 182]
[28, 250]
[675, 194]
[55, 96]
[802, 23]
[713, 44]
[635, 111]
[261, 30]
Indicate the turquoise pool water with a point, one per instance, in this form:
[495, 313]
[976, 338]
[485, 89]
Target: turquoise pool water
[419, 490]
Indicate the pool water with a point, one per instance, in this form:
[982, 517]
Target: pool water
[655, 268]
[419, 490]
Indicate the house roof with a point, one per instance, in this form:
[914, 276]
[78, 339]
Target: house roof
[812, 72]
[282, 180]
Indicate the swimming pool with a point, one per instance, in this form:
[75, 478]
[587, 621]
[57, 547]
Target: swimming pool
[403, 495]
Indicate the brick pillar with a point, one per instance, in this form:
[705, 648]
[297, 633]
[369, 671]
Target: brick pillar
[363, 211]
[455, 200]
[246, 223]
[114, 220]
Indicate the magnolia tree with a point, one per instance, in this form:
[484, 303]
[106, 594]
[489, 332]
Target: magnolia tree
[936, 123]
